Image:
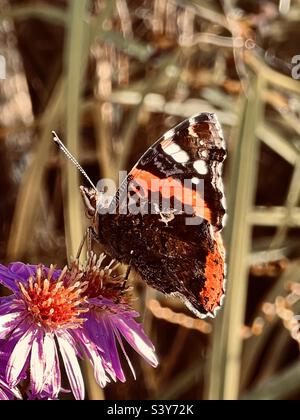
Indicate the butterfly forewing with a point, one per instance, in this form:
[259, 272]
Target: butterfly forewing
[174, 212]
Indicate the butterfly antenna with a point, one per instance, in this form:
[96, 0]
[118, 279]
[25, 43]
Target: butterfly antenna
[72, 158]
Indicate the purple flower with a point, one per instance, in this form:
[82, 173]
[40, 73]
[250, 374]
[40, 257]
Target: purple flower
[54, 317]
[110, 319]
[41, 321]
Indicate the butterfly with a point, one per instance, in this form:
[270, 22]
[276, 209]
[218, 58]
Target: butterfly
[163, 224]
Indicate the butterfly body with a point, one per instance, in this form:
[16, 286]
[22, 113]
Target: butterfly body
[164, 225]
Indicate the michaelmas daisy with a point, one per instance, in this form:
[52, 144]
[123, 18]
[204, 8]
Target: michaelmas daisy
[41, 320]
[55, 317]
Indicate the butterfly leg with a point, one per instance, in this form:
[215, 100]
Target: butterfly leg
[127, 275]
[81, 245]
[88, 237]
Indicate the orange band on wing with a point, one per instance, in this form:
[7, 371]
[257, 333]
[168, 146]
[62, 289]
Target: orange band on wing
[170, 187]
[210, 295]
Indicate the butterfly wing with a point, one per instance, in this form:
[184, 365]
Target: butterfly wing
[171, 233]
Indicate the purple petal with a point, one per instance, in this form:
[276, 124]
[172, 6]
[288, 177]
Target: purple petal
[15, 272]
[19, 357]
[55, 377]
[15, 335]
[103, 336]
[49, 355]
[8, 304]
[123, 349]
[10, 344]
[71, 364]
[8, 394]
[135, 336]
[19, 272]
[8, 323]
[72, 343]
[3, 363]
[3, 396]
[117, 322]
[94, 357]
[37, 364]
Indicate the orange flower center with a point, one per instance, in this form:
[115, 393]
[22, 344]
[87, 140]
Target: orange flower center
[55, 303]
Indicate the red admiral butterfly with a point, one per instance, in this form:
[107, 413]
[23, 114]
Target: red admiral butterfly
[168, 246]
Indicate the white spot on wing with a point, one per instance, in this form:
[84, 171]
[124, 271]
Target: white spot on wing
[195, 180]
[181, 157]
[169, 134]
[171, 148]
[175, 151]
[201, 167]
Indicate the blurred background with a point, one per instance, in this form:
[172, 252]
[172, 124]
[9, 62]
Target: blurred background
[111, 76]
